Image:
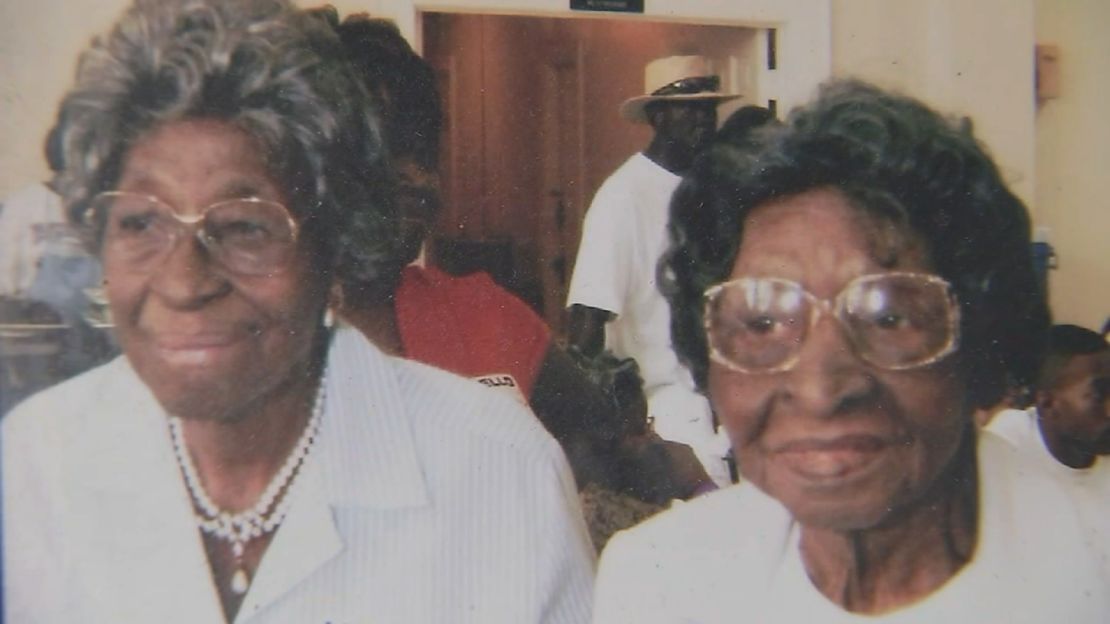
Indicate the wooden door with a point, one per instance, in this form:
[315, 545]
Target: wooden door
[564, 199]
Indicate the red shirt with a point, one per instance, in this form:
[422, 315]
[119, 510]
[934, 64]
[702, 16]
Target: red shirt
[470, 326]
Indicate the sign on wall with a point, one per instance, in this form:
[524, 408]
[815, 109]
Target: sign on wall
[620, 6]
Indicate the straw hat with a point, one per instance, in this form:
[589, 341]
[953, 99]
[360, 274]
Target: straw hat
[675, 78]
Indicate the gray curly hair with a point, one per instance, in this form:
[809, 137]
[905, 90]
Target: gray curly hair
[269, 68]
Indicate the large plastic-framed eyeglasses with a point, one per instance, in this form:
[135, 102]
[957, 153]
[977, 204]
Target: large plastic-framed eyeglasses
[895, 321]
[248, 235]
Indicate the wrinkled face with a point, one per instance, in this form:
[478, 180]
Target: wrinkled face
[689, 123]
[1079, 405]
[209, 343]
[842, 444]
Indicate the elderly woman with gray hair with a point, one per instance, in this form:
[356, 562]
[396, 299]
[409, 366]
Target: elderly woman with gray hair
[244, 460]
[848, 289]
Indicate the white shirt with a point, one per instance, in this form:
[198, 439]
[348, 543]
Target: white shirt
[25, 222]
[623, 237]
[732, 556]
[42, 257]
[1022, 430]
[427, 498]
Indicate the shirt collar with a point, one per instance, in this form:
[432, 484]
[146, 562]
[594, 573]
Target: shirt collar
[367, 451]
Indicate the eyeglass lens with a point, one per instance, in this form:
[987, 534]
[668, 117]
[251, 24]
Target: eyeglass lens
[249, 236]
[898, 321]
[892, 320]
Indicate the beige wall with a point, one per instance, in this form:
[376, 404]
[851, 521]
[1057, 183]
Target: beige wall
[39, 43]
[966, 58]
[976, 58]
[1073, 159]
[970, 57]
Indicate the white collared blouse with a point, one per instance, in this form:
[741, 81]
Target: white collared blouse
[427, 499]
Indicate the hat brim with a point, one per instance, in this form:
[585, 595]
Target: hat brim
[632, 109]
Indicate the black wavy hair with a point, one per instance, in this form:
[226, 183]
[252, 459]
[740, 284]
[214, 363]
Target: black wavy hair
[403, 82]
[275, 71]
[620, 383]
[742, 122]
[892, 157]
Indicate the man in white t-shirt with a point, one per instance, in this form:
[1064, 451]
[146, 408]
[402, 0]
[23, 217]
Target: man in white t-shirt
[1068, 431]
[614, 300]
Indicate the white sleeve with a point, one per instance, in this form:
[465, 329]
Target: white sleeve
[626, 590]
[35, 561]
[1093, 503]
[15, 243]
[1012, 426]
[567, 565]
[605, 255]
[19, 250]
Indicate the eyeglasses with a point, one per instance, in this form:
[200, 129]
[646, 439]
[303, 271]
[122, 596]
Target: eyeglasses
[894, 321]
[248, 236]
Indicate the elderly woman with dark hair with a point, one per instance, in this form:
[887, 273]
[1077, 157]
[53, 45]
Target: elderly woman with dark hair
[243, 460]
[847, 290]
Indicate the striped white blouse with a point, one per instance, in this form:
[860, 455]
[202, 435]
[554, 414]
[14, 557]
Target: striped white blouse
[428, 498]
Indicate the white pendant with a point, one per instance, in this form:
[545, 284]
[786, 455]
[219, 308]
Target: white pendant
[239, 582]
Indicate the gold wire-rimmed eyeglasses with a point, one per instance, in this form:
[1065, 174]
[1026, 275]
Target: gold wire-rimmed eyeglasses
[246, 235]
[895, 321]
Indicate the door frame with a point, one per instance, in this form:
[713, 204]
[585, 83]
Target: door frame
[803, 30]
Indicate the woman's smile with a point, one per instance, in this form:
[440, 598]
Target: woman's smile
[829, 461]
[197, 348]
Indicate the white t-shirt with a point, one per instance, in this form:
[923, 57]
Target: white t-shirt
[623, 236]
[42, 257]
[1021, 429]
[732, 556]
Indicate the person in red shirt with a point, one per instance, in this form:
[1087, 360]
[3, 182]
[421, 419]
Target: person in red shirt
[471, 326]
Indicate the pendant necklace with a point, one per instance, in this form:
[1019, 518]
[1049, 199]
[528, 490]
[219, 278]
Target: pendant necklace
[239, 529]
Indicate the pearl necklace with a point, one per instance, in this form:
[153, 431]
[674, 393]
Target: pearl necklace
[239, 529]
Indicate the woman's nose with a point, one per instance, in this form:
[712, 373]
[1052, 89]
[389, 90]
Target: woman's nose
[828, 373]
[187, 276]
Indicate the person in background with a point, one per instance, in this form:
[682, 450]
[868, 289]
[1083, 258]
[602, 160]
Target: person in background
[51, 317]
[471, 326]
[245, 460]
[848, 289]
[1067, 430]
[26, 220]
[613, 299]
[608, 511]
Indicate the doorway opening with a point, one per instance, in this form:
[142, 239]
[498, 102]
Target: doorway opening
[532, 130]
